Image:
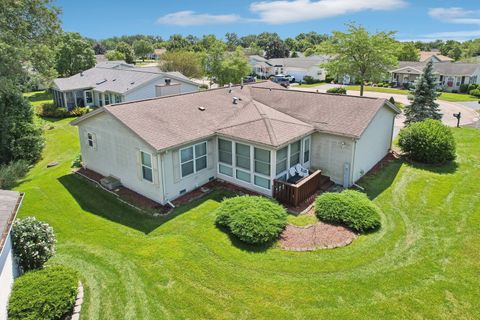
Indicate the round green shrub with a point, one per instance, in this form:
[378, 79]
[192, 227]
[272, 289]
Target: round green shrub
[337, 90]
[349, 208]
[252, 219]
[33, 243]
[428, 141]
[49, 293]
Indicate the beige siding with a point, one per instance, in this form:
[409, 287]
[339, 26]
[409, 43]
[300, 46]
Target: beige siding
[116, 154]
[374, 143]
[330, 153]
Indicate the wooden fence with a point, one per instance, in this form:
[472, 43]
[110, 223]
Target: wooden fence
[294, 194]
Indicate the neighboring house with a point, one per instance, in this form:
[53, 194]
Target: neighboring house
[155, 55]
[10, 202]
[449, 75]
[248, 135]
[296, 67]
[116, 81]
[435, 56]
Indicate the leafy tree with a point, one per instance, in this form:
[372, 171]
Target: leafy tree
[33, 243]
[449, 45]
[127, 50]
[408, 52]
[20, 137]
[455, 53]
[115, 55]
[177, 42]
[291, 44]
[424, 95]
[248, 40]
[361, 55]
[212, 62]
[294, 54]
[28, 33]
[264, 38]
[276, 49]
[99, 48]
[142, 48]
[232, 40]
[74, 54]
[233, 68]
[254, 49]
[186, 62]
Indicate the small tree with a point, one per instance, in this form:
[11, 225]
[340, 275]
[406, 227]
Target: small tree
[74, 54]
[276, 49]
[127, 50]
[186, 62]
[33, 243]
[233, 68]
[424, 94]
[115, 55]
[142, 48]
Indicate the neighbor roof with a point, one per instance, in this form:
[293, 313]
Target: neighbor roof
[264, 113]
[119, 78]
[9, 203]
[425, 55]
[303, 63]
[442, 68]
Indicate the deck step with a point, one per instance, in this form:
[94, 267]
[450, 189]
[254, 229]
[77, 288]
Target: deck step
[325, 183]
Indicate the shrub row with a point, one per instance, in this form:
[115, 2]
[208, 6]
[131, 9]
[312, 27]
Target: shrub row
[12, 172]
[428, 141]
[49, 293]
[51, 111]
[252, 219]
[349, 208]
[337, 90]
[467, 88]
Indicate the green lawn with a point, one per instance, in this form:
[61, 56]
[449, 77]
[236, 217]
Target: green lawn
[422, 264]
[39, 97]
[305, 85]
[446, 96]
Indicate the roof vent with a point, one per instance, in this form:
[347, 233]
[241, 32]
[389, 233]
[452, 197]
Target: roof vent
[133, 82]
[229, 90]
[201, 108]
[235, 100]
[168, 81]
[81, 74]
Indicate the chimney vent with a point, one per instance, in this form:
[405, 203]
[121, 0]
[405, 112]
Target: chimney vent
[168, 81]
[235, 100]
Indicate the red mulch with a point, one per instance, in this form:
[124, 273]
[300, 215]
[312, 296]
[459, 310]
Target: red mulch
[318, 236]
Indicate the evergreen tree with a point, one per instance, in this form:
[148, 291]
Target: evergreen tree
[424, 95]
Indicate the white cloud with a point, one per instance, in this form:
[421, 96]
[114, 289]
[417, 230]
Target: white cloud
[284, 11]
[455, 15]
[191, 18]
[453, 34]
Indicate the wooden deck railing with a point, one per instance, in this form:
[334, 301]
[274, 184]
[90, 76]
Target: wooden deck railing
[294, 194]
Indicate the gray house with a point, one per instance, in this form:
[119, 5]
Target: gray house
[251, 136]
[116, 81]
[296, 67]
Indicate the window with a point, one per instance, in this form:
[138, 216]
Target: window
[282, 156]
[193, 158]
[107, 98]
[225, 151]
[118, 98]
[223, 169]
[306, 150]
[262, 182]
[147, 171]
[294, 153]
[89, 96]
[242, 156]
[262, 161]
[244, 176]
[90, 139]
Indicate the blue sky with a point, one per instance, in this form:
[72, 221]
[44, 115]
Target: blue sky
[412, 19]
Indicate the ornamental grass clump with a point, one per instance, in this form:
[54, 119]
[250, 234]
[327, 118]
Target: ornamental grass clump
[252, 219]
[349, 208]
[428, 141]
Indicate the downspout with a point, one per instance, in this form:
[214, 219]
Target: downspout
[162, 176]
[353, 160]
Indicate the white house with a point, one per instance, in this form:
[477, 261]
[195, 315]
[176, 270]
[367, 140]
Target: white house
[10, 202]
[450, 76]
[116, 81]
[296, 67]
[248, 135]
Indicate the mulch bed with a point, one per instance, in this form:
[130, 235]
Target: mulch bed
[318, 236]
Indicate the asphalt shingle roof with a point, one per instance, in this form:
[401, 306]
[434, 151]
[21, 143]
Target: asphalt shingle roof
[265, 113]
[9, 200]
[443, 68]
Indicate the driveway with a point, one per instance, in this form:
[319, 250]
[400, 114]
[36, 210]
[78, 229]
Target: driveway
[469, 115]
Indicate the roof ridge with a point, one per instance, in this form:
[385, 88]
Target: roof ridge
[268, 124]
[322, 93]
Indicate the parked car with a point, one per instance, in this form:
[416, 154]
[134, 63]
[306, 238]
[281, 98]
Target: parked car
[249, 79]
[290, 78]
[281, 79]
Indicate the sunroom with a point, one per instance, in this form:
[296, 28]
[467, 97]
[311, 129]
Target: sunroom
[258, 167]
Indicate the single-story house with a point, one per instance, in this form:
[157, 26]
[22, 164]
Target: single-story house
[155, 55]
[435, 56]
[296, 67]
[116, 81]
[449, 75]
[248, 135]
[10, 202]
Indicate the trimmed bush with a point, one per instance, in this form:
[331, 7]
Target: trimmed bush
[49, 110]
[309, 80]
[337, 90]
[463, 88]
[77, 162]
[472, 86]
[11, 173]
[428, 141]
[475, 92]
[33, 243]
[349, 208]
[252, 219]
[49, 293]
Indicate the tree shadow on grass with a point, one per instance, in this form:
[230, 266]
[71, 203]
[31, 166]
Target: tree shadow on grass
[242, 245]
[94, 200]
[40, 96]
[444, 168]
[377, 182]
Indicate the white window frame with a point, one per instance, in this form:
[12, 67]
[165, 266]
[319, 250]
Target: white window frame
[307, 142]
[228, 165]
[261, 175]
[284, 172]
[87, 92]
[194, 159]
[107, 96]
[142, 165]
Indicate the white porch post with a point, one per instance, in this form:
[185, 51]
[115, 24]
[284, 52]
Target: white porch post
[75, 98]
[65, 100]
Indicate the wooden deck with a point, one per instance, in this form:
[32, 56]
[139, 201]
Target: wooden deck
[294, 194]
